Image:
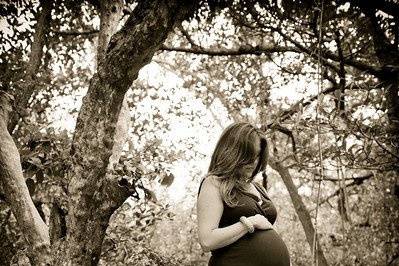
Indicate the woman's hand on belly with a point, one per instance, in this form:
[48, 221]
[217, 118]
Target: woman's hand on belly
[260, 222]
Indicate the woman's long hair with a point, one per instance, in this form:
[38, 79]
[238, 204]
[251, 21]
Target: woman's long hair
[235, 149]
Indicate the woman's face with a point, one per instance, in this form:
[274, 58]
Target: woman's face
[248, 169]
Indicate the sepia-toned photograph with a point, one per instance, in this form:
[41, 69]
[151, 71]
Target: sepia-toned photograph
[199, 132]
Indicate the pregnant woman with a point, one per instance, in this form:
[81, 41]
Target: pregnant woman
[235, 215]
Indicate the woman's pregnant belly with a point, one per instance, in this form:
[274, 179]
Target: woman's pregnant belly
[262, 248]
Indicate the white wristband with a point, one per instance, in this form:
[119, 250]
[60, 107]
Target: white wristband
[247, 224]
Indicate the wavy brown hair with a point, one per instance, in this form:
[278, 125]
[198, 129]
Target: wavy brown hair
[235, 149]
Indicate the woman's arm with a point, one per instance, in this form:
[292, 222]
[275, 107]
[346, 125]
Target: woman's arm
[209, 212]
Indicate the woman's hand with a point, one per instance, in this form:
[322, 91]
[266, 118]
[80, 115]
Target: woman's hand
[260, 222]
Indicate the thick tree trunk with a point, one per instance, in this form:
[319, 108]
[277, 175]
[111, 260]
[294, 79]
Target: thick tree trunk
[92, 201]
[110, 15]
[301, 211]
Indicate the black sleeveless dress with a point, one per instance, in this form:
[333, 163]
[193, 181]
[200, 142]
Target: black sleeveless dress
[261, 248]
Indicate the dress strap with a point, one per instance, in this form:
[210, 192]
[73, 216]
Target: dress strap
[202, 181]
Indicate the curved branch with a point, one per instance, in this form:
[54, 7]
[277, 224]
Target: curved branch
[75, 33]
[258, 50]
[285, 114]
[356, 182]
[300, 209]
[377, 71]
[243, 50]
[15, 189]
[188, 37]
[27, 87]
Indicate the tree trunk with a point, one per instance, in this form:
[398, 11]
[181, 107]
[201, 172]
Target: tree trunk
[11, 176]
[16, 191]
[94, 196]
[92, 201]
[301, 211]
[110, 15]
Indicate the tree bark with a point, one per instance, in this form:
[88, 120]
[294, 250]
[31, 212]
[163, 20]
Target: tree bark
[11, 176]
[301, 210]
[16, 191]
[110, 15]
[92, 201]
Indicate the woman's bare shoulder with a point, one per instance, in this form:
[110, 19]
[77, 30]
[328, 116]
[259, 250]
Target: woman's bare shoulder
[212, 180]
[210, 189]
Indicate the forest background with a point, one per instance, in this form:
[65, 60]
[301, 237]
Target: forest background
[109, 111]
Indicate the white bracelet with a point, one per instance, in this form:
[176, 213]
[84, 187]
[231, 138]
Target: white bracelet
[247, 224]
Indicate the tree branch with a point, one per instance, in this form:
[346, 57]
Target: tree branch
[300, 209]
[356, 181]
[16, 191]
[258, 50]
[75, 33]
[377, 71]
[388, 7]
[388, 57]
[285, 114]
[188, 37]
[27, 87]
[243, 50]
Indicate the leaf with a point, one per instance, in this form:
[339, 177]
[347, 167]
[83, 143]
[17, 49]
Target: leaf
[167, 180]
[40, 176]
[151, 195]
[36, 161]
